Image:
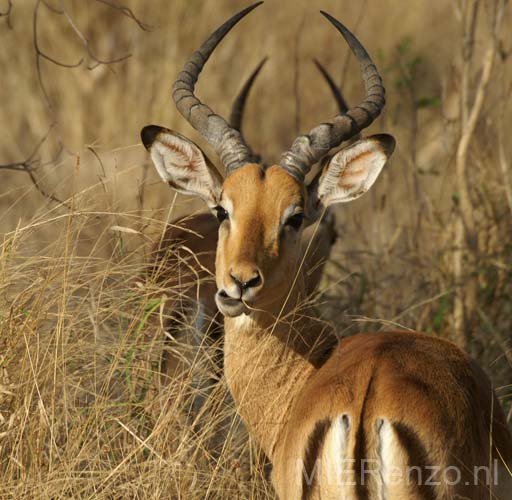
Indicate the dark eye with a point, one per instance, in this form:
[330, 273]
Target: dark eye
[295, 221]
[222, 215]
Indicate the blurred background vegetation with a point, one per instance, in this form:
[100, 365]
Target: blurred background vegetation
[82, 414]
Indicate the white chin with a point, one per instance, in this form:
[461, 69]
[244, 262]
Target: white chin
[230, 307]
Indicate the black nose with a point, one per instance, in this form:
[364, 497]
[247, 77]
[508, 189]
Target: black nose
[244, 285]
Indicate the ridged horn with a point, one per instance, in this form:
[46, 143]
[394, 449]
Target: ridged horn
[309, 148]
[227, 142]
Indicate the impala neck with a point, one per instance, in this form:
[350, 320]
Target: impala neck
[267, 362]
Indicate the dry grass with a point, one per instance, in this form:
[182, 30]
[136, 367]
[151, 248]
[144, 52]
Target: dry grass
[83, 413]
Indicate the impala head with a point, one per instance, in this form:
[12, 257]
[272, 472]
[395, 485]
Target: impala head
[262, 211]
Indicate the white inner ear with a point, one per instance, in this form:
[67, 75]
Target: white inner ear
[352, 172]
[181, 163]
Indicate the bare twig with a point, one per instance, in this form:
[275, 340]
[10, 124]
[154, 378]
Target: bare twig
[7, 14]
[44, 193]
[42, 55]
[52, 8]
[468, 15]
[97, 156]
[128, 13]
[469, 20]
[465, 293]
[31, 162]
[503, 160]
[97, 61]
[37, 47]
[457, 9]
[87, 45]
[469, 128]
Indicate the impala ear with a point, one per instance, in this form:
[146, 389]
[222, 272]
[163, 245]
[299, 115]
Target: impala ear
[351, 172]
[182, 164]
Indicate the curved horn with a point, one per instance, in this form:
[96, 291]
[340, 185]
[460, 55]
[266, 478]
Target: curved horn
[309, 148]
[336, 91]
[227, 142]
[337, 94]
[238, 108]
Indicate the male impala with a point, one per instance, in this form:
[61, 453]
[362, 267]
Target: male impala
[391, 415]
[184, 261]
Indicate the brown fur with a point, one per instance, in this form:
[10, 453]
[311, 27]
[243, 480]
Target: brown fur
[400, 399]
[184, 261]
[253, 239]
[440, 405]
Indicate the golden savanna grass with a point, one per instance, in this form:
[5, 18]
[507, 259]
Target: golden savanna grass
[83, 413]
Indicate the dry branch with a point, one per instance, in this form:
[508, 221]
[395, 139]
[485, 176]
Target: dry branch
[86, 43]
[31, 164]
[465, 238]
[505, 170]
[42, 55]
[126, 12]
[7, 14]
[97, 61]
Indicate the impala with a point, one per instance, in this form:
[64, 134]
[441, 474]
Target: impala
[389, 415]
[183, 261]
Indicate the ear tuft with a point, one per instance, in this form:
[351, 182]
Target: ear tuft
[149, 134]
[387, 143]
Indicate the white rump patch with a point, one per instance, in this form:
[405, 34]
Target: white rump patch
[385, 455]
[396, 478]
[337, 464]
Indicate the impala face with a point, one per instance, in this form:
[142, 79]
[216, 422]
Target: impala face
[261, 217]
[263, 211]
